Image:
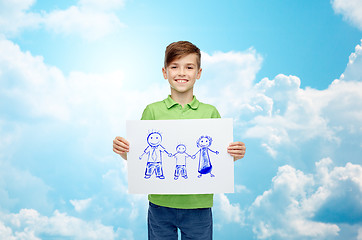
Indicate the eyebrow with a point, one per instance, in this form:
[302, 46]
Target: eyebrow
[185, 64]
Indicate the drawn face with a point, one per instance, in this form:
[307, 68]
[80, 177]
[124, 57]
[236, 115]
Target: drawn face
[204, 142]
[182, 73]
[154, 139]
[181, 149]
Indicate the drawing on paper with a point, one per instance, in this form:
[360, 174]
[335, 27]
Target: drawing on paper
[154, 152]
[205, 166]
[180, 157]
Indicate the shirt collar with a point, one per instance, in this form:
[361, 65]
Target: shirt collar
[194, 104]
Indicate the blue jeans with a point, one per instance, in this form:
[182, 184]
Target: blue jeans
[163, 223]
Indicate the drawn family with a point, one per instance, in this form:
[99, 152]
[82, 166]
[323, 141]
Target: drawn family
[154, 152]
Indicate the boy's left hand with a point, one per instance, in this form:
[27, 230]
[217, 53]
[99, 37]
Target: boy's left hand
[237, 150]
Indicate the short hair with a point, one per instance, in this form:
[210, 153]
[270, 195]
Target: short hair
[180, 49]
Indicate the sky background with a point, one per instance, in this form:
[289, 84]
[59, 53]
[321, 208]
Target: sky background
[288, 72]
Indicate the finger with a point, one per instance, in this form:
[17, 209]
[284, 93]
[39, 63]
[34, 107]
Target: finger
[239, 148]
[117, 151]
[237, 144]
[121, 139]
[236, 153]
[120, 144]
[120, 148]
[236, 147]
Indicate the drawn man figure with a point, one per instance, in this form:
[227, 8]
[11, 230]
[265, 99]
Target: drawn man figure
[205, 167]
[181, 156]
[154, 151]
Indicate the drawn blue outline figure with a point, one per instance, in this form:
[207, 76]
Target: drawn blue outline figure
[205, 167]
[180, 157]
[154, 151]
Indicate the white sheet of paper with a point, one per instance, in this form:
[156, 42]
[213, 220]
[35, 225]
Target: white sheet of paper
[191, 169]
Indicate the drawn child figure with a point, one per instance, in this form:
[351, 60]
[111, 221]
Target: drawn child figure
[205, 167]
[154, 151]
[181, 156]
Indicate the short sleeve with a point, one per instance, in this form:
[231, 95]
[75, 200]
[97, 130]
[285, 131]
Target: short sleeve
[215, 113]
[147, 114]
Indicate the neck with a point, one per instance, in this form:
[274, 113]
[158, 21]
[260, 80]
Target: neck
[182, 98]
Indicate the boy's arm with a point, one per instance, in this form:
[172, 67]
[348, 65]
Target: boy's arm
[194, 156]
[164, 149]
[121, 147]
[213, 151]
[147, 150]
[237, 150]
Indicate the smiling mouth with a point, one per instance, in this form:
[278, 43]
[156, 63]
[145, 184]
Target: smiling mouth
[181, 80]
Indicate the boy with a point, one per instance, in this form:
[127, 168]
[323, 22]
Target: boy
[189, 213]
[180, 157]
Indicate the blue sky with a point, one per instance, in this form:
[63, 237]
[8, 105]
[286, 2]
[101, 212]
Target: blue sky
[73, 72]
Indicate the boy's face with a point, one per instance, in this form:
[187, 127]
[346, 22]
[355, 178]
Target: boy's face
[154, 139]
[181, 148]
[182, 73]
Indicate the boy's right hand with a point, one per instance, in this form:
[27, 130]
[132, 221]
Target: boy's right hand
[121, 147]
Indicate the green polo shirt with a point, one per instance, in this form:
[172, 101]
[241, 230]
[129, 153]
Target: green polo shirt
[169, 109]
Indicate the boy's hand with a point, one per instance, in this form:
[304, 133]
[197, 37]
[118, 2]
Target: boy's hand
[237, 150]
[121, 147]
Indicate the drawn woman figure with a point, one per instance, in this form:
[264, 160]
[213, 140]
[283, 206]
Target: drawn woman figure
[205, 167]
[154, 151]
[181, 156]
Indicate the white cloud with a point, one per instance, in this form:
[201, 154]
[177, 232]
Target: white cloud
[90, 19]
[98, 105]
[32, 89]
[15, 17]
[227, 79]
[241, 188]
[231, 212]
[88, 22]
[19, 188]
[353, 71]
[81, 205]
[30, 224]
[278, 111]
[104, 5]
[359, 236]
[350, 9]
[300, 206]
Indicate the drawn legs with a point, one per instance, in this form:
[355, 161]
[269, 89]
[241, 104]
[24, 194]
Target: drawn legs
[154, 167]
[180, 170]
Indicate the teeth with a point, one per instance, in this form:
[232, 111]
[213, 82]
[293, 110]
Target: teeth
[181, 81]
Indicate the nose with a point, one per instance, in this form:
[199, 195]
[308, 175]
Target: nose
[181, 71]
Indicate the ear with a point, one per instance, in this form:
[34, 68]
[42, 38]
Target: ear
[198, 76]
[164, 72]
